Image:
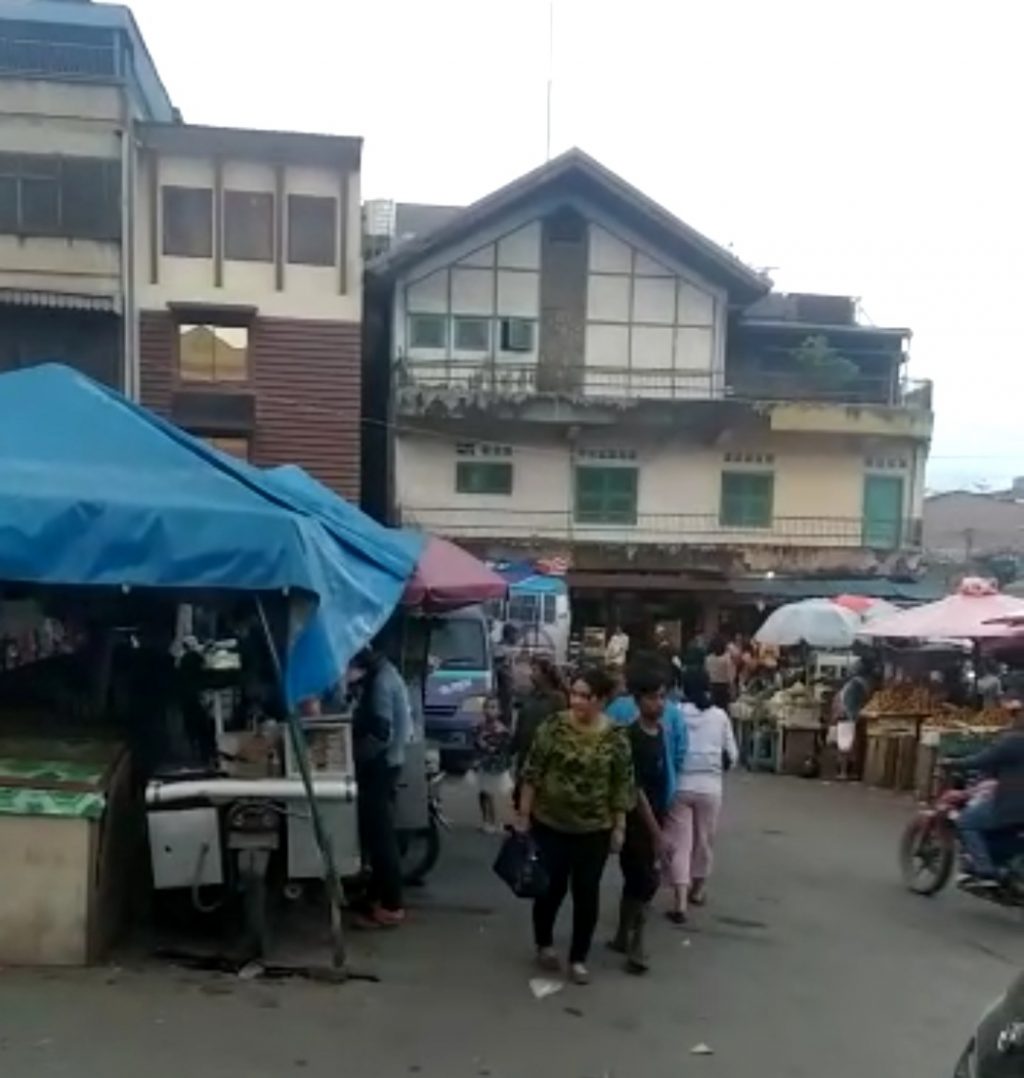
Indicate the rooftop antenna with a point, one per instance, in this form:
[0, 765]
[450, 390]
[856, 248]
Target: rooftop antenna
[551, 77]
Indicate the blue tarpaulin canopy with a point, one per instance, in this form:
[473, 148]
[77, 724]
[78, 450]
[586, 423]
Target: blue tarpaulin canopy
[95, 491]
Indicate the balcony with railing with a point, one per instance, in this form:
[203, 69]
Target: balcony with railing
[500, 379]
[663, 529]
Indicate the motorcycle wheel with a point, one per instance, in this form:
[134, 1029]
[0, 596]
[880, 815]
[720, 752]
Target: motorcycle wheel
[419, 851]
[927, 855]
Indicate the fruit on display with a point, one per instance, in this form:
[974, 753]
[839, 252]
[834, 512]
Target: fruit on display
[904, 698]
[966, 718]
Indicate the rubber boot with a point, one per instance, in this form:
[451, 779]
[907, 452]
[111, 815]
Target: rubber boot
[636, 954]
[620, 941]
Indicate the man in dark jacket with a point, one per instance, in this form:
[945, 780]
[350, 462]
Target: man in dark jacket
[1003, 761]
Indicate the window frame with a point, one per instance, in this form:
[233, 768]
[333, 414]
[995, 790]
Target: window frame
[296, 258]
[441, 321]
[604, 515]
[728, 501]
[479, 319]
[505, 334]
[61, 176]
[190, 379]
[241, 201]
[501, 488]
[168, 192]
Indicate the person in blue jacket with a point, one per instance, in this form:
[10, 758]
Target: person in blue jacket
[657, 738]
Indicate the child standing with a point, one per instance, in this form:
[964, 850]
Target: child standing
[494, 745]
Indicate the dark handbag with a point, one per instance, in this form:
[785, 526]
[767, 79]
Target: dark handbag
[518, 863]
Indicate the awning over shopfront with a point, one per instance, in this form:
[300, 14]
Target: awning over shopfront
[792, 588]
[95, 491]
[64, 301]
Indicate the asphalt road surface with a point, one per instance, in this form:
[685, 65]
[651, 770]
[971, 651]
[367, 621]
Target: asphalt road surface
[809, 961]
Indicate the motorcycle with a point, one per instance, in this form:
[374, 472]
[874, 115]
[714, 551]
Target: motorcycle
[930, 850]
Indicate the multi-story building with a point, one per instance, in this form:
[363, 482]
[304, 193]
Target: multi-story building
[250, 292]
[74, 77]
[565, 370]
[214, 274]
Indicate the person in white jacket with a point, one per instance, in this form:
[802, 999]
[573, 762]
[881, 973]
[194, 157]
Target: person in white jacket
[693, 816]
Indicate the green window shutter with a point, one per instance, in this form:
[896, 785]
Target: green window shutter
[483, 477]
[606, 495]
[747, 500]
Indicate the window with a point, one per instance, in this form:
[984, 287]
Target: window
[188, 222]
[524, 608]
[60, 196]
[312, 230]
[209, 353]
[606, 495]
[233, 445]
[483, 477]
[458, 643]
[249, 226]
[516, 335]
[472, 334]
[427, 331]
[747, 499]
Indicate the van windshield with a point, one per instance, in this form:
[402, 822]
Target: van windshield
[458, 644]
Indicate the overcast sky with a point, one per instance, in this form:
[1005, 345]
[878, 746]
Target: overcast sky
[871, 148]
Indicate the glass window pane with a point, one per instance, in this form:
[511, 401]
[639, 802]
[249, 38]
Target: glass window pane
[427, 331]
[196, 346]
[231, 353]
[249, 226]
[40, 205]
[312, 230]
[213, 353]
[483, 477]
[472, 334]
[606, 495]
[188, 222]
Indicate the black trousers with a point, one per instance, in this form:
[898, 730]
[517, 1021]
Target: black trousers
[575, 860]
[639, 862]
[375, 809]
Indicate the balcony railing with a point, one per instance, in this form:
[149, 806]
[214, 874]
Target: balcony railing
[65, 60]
[504, 379]
[664, 529]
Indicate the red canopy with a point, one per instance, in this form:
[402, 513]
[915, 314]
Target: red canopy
[448, 577]
[968, 614]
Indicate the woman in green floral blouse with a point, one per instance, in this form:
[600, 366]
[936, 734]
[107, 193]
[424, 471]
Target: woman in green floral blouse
[577, 789]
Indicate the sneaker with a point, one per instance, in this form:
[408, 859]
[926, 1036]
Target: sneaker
[579, 974]
[548, 960]
[677, 917]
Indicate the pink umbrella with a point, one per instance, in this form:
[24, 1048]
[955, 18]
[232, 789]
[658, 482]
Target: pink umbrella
[859, 604]
[447, 577]
[970, 613]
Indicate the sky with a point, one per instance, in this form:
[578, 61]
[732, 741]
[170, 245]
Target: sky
[868, 148]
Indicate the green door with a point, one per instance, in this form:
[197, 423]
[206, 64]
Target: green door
[883, 511]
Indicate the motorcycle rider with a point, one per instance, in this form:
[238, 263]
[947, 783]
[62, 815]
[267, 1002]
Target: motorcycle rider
[1002, 761]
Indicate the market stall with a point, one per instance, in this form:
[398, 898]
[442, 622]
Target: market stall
[927, 708]
[111, 518]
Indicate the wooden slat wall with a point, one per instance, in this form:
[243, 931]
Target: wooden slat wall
[306, 378]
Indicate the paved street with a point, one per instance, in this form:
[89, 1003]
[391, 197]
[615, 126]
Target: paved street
[810, 961]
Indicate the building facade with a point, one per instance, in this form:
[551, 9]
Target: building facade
[564, 370]
[214, 274]
[74, 78]
[250, 292]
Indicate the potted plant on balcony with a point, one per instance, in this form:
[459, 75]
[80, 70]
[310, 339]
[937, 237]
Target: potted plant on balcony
[823, 367]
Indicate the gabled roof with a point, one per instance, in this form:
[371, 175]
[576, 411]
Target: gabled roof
[577, 173]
